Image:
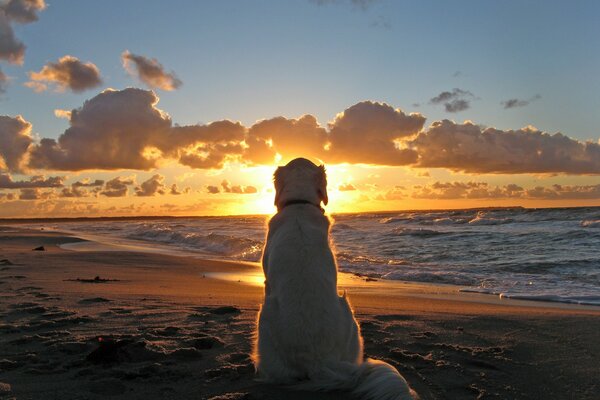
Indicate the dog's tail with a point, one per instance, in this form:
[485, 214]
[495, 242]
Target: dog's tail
[371, 380]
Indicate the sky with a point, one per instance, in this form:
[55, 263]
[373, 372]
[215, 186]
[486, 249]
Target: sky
[187, 107]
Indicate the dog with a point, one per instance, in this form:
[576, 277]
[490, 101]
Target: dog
[307, 337]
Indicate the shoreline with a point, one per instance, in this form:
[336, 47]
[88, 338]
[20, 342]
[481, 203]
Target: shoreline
[355, 283]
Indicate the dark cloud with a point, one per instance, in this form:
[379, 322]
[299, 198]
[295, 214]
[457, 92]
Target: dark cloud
[454, 190]
[514, 103]
[11, 49]
[73, 192]
[38, 181]
[67, 73]
[564, 192]
[213, 189]
[470, 148]
[228, 188]
[454, 101]
[154, 185]
[149, 71]
[3, 82]
[482, 190]
[15, 141]
[367, 133]
[174, 190]
[23, 11]
[88, 183]
[19, 11]
[35, 194]
[117, 187]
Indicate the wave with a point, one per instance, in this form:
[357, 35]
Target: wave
[482, 219]
[444, 277]
[591, 223]
[212, 243]
[592, 300]
[420, 232]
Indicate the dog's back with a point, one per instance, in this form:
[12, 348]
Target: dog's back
[302, 314]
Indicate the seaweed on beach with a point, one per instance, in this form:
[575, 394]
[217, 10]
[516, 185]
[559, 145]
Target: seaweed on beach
[96, 279]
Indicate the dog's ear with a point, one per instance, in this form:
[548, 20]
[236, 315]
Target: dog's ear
[323, 185]
[278, 180]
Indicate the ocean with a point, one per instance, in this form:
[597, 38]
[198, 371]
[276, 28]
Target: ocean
[537, 254]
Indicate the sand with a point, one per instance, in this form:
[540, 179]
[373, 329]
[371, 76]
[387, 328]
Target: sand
[140, 325]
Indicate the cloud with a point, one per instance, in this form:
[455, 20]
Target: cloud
[482, 190]
[67, 73]
[74, 192]
[35, 194]
[470, 148]
[367, 132]
[88, 183]
[227, 188]
[453, 190]
[174, 190]
[15, 141]
[454, 101]
[23, 11]
[346, 187]
[397, 193]
[154, 185]
[123, 129]
[290, 138]
[564, 192]
[8, 196]
[58, 113]
[3, 82]
[213, 189]
[117, 187]
[149, 71]
[514, 103]
[11, 49]
[19, 11]
[38, 181]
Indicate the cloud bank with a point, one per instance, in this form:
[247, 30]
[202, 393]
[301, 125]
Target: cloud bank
[470, 148]
[149, 71]
[124, 129]
[482, 190]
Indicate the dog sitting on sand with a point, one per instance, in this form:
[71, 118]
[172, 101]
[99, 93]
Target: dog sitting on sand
[307, 335]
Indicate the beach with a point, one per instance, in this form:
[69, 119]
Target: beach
[95, 323]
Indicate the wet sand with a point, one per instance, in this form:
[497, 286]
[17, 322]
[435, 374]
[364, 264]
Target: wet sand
[102, 324]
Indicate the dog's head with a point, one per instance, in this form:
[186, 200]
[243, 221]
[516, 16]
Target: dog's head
[300, 180]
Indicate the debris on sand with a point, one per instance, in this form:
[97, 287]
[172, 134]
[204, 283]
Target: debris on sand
[225, 310]
[96, 279]
[110, 351]
[6, 261]
[40, 248]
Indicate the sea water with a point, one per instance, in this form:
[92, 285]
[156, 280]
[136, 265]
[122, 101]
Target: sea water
[538, 254]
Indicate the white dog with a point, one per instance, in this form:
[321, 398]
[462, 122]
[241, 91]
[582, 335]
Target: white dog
[307, 335]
